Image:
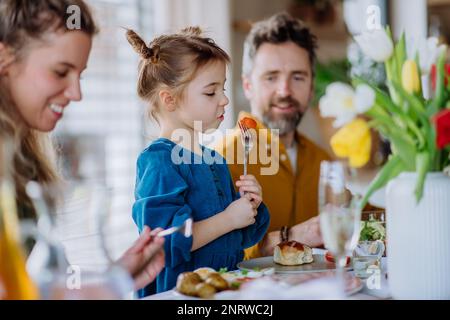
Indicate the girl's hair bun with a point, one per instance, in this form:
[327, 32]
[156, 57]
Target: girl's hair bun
[192, 31]
[141, 48]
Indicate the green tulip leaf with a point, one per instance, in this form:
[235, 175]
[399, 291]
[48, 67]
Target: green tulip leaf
[393, 167]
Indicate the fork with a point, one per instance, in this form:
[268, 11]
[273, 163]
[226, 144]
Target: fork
[185, 229]
[247, 142]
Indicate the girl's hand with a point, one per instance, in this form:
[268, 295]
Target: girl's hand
[253, 189]
[241, 213]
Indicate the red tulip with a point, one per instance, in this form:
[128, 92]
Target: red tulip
[433, 75]
[442, 122]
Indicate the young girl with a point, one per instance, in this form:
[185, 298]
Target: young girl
[182, 77]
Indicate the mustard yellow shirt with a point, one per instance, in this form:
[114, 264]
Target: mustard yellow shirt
[291, 197]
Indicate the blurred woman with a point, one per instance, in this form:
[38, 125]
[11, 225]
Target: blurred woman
[41, 60]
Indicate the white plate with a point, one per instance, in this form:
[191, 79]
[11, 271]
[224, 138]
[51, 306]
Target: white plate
[320, 264]
[353, 286]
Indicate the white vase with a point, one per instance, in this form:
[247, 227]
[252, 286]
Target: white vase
[418, 237]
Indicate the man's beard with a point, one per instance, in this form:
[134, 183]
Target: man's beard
[284, 123]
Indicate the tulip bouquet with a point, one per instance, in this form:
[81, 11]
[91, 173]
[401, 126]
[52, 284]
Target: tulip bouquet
[414, 115]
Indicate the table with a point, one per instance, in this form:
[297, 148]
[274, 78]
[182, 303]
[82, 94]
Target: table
[366, 293]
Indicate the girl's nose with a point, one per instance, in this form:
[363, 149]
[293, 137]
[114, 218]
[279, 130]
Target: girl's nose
[225, 101]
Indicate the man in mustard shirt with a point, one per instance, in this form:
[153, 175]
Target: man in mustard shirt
[279, 55]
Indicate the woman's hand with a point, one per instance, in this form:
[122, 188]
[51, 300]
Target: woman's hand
[145, 258]
[249, 187]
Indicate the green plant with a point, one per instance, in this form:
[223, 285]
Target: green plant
[327, 73]
[417, 124]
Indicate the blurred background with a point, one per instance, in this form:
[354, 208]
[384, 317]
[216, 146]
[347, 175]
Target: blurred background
[102, 136]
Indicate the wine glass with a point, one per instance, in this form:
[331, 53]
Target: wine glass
[76, 216]
[340, 213]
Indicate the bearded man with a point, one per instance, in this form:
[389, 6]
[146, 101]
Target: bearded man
[278, 73]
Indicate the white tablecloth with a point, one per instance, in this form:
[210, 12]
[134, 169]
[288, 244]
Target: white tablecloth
[314, 289]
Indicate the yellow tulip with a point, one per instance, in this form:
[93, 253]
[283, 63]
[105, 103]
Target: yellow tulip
[410, 77]
[353, 141]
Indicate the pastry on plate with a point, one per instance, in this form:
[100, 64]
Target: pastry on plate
[205, 290]
[204, 272]
[187, 282]
[292, 253]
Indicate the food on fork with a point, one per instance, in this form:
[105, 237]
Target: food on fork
[248, 122]
[292, 253]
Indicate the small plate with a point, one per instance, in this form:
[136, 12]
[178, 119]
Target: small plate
[353, 286]
[320, 264]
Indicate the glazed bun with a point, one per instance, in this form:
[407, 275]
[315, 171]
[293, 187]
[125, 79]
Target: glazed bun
[292, 253]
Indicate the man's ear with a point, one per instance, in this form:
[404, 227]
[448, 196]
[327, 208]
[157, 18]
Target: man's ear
[247, 86]
[6, 57]
[167, 100]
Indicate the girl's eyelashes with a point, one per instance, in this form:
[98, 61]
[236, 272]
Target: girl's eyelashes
[212, 94]
[61, 74]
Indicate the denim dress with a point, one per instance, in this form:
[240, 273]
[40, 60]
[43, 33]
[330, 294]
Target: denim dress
[174, 184]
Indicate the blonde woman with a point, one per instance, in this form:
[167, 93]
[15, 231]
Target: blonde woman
[41, 61]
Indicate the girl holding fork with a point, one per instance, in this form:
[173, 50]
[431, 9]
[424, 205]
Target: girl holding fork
[182, 78]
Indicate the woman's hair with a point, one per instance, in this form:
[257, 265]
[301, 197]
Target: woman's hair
[171, 61]
[23, 22]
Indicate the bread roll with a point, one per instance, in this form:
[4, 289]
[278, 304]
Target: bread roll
[292, 253]
[204, 272]
[217, 281]
[205, 290]
[186, 283]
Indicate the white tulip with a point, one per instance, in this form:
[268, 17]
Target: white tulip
[343, 103]
[429, 51]
[375, 44]
[364, 98]
[425, 82]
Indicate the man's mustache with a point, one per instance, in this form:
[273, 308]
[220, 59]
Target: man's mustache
[286, 100]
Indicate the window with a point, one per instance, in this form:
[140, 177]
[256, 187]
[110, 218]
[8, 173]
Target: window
[102, 135]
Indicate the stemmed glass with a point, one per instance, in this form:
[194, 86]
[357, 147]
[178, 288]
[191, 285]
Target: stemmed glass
[76, 215]
[340, 213]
